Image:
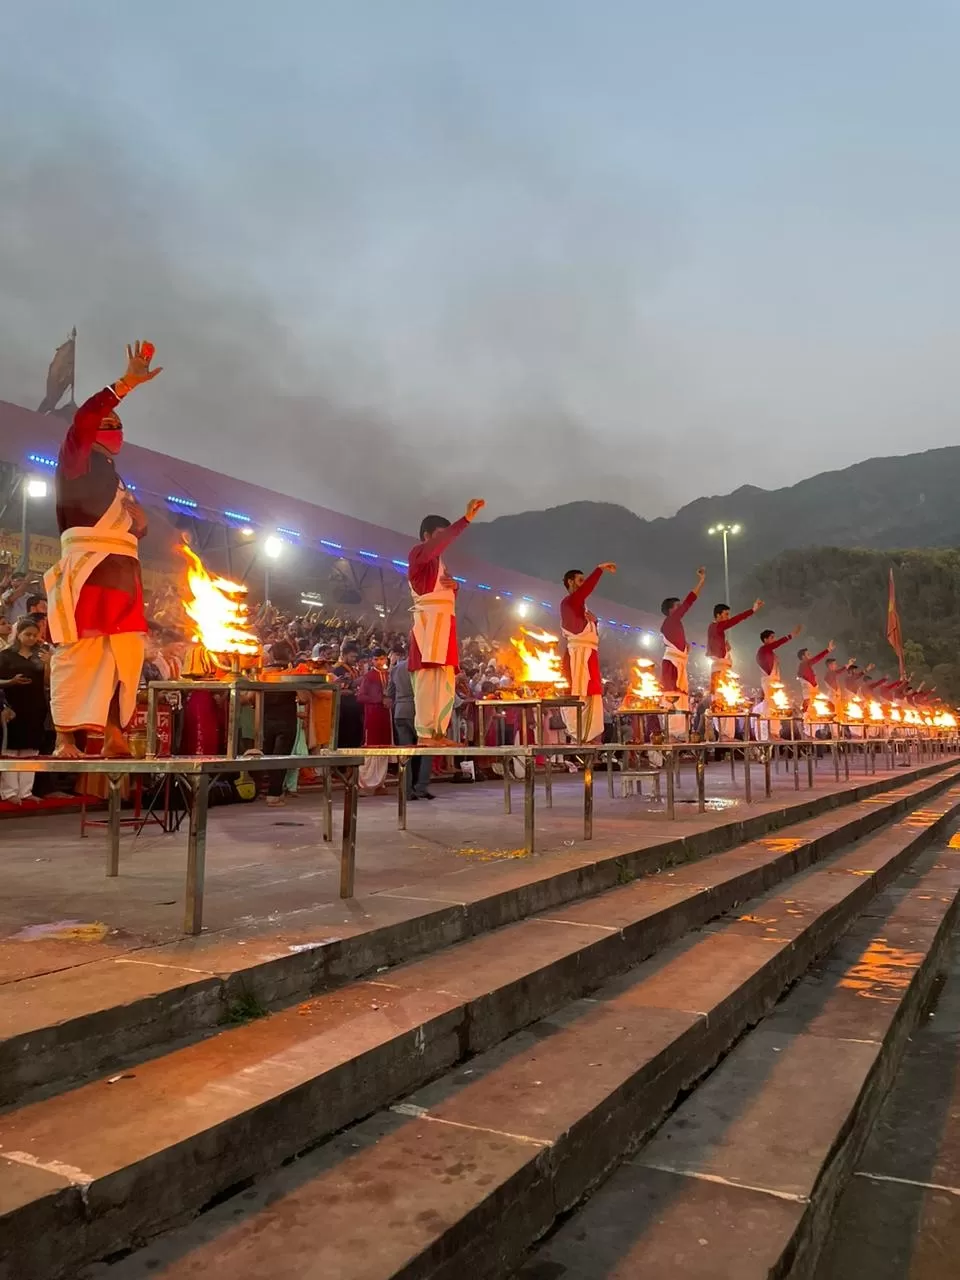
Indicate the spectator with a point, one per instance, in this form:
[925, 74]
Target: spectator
[13, 595]
[400, 695]
[37, 610]
[348, 674]
[371, 694]
[6, 631]
[23, 677]
[279, 723]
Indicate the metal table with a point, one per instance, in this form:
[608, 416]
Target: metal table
[539, 705]
[197, 771]
[233, 688]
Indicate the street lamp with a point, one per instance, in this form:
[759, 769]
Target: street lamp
[725, 530]
[31, 487]
[272, 550]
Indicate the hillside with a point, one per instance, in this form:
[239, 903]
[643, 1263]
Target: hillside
[842, 594]
[883, 503]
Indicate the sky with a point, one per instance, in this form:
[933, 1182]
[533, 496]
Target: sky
[393, 255]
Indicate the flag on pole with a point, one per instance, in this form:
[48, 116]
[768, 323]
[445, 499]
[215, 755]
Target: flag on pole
[894, 634]
[61, 374]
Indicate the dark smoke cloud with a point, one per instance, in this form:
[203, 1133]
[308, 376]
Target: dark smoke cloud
[481, 351]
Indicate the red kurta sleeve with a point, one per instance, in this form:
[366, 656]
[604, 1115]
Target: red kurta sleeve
[82, 435]
[735, 621]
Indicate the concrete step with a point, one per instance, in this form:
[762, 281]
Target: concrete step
[463, 1175]
[744, 1178]
[58, 1028]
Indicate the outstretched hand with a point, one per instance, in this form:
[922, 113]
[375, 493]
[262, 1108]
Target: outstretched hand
[757, 606]
[608, 567]
[796, 631]
[474, 506]
[138, 364]
[831, 646]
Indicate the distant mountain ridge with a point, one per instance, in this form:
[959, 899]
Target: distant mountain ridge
[879, 504]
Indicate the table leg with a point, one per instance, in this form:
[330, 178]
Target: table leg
[114, 781]
[258, 720]
[548, 779]
[151, 723]
[767, 783]
[588, 799]
[747, 775]
[671, 788]
[507, 797]
[810, 751]
[233, 721]
[610, 774]
[348, 854]
[327, 804]
[402, 793]
[196, 854]
[702, 781]
[529, 803]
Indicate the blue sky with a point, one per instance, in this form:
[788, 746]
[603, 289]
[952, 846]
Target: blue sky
[395, 253]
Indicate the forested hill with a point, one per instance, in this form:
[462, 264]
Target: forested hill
[842, 594]
[883, 503]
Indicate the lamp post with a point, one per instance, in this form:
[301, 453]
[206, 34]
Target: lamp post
[30, 487]
[725, 530]
[272, 550]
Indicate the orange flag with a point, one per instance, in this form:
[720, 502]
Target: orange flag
[894, 635]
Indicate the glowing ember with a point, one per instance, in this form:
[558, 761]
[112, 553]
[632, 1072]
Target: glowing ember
[644, 693]
[539, 655]
[876, 711]
[218, 610]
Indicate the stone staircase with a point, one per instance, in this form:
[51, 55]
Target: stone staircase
[437, 1118]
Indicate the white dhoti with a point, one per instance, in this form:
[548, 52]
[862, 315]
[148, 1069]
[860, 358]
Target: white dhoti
[581, 646]
[434, 684]
[85, 672]
[85, 675]
[677, 725]
[433, 694]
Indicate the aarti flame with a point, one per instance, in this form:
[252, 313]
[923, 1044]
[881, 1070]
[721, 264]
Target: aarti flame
[218, 609]
[854, 709]
[945, 720]
[644, 693]
[780, 698]
[728, 693]
[876, 712]
[822, 710]
[539, 655]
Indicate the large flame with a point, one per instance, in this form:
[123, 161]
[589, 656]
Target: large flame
[780, 699]
[822, 709]
[539, 655]
[727, 694]
[854, 709]
[644, 693]
[945, 720]
[876, 711]
[218, 610]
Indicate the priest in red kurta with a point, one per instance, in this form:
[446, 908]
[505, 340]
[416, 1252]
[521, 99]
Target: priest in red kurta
[581, 659]
[676, 650]
[433, 657]
[94, 592]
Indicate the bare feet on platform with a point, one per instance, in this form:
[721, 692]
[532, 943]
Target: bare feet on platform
[66, 748]
[438, 741]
